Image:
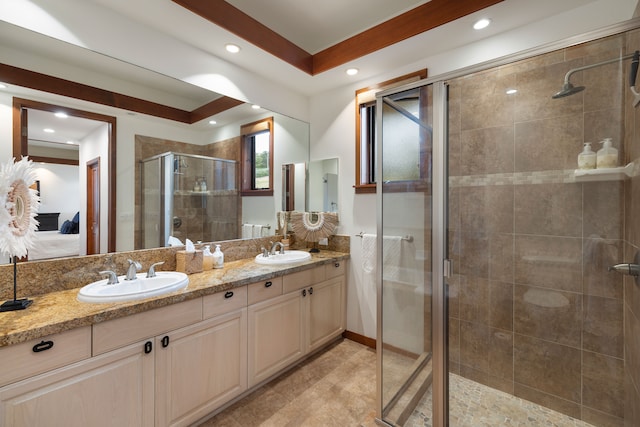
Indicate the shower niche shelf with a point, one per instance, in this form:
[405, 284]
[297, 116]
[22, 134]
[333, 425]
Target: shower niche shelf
[607, 174]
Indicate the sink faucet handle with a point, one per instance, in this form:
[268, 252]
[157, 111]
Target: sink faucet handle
[113, 278]
[152, 269]
[134, 267]
[265, 252]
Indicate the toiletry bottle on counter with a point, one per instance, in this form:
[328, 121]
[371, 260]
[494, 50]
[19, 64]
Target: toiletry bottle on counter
[207, 258]
[587, 159]
[607, 156]
[218, 258]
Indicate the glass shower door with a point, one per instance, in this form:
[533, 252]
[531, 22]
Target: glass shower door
[405, 236]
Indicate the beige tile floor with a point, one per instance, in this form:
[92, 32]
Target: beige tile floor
[337, 388]
[334, 388]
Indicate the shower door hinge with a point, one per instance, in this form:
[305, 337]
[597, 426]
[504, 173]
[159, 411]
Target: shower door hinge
[447, 267]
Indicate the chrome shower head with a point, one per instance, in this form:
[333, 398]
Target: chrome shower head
[568, 89]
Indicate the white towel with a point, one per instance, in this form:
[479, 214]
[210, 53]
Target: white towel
[369, 253]
[247, 231]
[391, 257]
[257, 231]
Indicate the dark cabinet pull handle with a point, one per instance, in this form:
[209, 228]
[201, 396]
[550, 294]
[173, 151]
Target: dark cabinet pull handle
[337, 264]
[148, 346]
[228, 294]
[165, 341]
[268, 284]
[42, 346]
[311, 291]
[304, 292]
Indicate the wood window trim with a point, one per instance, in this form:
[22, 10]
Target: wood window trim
[365, 187]
[246, 164]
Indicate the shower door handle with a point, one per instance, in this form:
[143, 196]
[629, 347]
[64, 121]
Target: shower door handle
[630, 269]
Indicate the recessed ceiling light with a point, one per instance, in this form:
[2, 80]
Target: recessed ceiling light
[212, 122]
[61, 115]
[511, 91]
[481, 23]
[48, 130]
[71, 142]
[255, 106]
[232, 48]
[352, 71]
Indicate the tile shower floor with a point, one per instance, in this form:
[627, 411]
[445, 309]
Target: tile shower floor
[338, 387]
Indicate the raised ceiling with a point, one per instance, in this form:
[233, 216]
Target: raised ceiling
[313, 26]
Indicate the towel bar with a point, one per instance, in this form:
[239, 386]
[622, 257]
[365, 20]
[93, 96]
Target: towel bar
[407, 238]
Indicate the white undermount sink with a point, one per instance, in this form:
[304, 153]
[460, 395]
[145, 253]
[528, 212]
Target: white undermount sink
[129, 290]
[288, 257]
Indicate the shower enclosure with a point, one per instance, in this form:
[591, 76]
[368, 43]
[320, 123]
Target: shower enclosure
[501, 309]
[188, 196]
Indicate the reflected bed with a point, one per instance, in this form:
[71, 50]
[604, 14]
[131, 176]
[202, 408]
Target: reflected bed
[53, 244]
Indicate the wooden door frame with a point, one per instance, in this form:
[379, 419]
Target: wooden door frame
[89, 167]
[20, 148]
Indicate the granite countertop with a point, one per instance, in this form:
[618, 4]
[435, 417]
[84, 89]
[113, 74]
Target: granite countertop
[60, 311]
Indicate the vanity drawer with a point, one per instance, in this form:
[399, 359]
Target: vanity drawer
[127, 330]
[261, 291]
[224, 302]
[24, 360]
[294, 281]
[335, 269]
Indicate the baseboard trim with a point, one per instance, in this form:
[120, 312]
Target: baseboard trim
[360, 339]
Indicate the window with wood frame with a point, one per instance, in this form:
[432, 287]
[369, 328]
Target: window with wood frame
[366, 155]
[256, 154]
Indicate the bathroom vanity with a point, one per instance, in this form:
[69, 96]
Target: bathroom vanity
[174, 359]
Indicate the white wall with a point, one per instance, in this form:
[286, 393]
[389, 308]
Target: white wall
[59, 189]
[95, 146]
[332, 117]
[290, 145]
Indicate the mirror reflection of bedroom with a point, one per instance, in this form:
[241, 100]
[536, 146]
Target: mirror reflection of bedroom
[58, 143]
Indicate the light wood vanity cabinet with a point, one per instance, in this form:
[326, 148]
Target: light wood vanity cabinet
[115, 388]
[200, 367]
[173, 365]
[309, 314]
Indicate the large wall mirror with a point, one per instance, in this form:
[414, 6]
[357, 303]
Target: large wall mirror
[157, 111]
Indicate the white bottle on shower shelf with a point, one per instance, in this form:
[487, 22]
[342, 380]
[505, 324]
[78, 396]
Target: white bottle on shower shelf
[607, 156]
[587, 158]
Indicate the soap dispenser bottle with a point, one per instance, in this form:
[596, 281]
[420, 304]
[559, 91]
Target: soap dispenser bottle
[607, 156]
[218, 258]
[587, 158]
[207, 258]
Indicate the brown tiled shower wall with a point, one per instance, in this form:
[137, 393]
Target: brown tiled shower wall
[533, 310]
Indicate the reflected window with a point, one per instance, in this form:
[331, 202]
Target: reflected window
[366, 156]
[257, 158]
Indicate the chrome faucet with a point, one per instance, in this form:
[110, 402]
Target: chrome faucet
[134, 267]
[265, 252]
[274, 246]
[152, 269]
[112, 277]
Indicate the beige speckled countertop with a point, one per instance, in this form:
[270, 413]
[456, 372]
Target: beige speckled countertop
[60, 311]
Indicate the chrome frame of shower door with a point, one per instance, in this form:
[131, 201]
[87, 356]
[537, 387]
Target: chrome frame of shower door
[438, 250]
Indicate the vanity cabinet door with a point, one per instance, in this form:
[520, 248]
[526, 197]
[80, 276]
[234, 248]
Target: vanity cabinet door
[114, 389]
[200, 367]
[276, 335]
[325, 311]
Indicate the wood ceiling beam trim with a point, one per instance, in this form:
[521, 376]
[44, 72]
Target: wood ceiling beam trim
[416, 21]
[33, 80]
[214, 107]
[239, 23]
